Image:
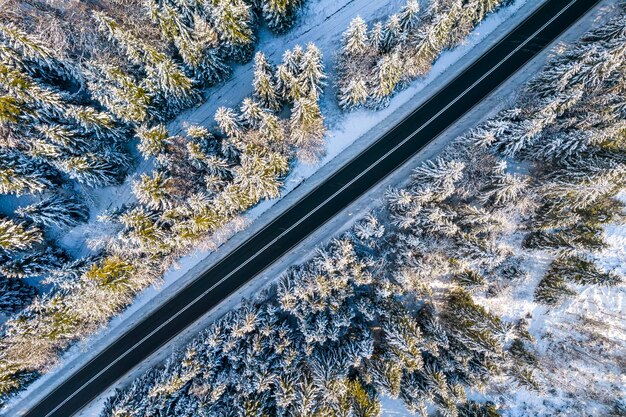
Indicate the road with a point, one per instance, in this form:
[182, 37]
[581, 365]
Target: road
[354, 179]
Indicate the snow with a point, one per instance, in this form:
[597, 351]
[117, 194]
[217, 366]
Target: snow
[323, 22]
[392, 407]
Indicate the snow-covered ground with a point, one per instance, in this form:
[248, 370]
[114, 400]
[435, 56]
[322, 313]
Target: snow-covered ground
[362, 125]
[581, 343]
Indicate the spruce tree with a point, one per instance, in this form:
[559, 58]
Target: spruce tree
[164, 76]
[265, 90]
[311, 73]
[56, 211]
[233, 21]
[354, 94]
[355, 39]
[307, 129]
[228, 122]
[16, 236]
[14, 295]
[280, 14]
[154, 191]
[388, 73]
[153, 141]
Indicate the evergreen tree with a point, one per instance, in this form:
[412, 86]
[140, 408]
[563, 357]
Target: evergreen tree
[409, 17]
[153, 141]
[36, 263]
[14, 295]
[16, 236]
[376, 37]
[280, 14]
[355, 39]
[94, 170]
[307, 129]
[56, 211]
[192, 38]
[393, 34]
[121, 94]
[21, 174]
[388, 74]
[233, 21]
[228, 122]
[354, 94]
[164, 76]
[265, 90]
[311, 78]
[154, 191]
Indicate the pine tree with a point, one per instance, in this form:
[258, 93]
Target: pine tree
[29, 48]
[280, 14]
[470, 280]
[56, 211]
[311, 77]
[20, 174]
[154, 191]
[153, 141]
[14, 295]
[376, 37]
[143, 231]
[94, 170]
[272, 131]
[53, 125]
[354, 94]
[582, 271]
[363, 403]
[355, 39]
[191, 35]
[265, 90]
[164, 76]
[228, 122]
[288, 74]
[36, 263]
[233, 21]
[252, 114]
[307, 129]
[393, 34]
[388, 74]
[111, 272]
[552, 290]
[121, 94]
[409, 17]
[15, 236]
[259, 176]
[440, 173]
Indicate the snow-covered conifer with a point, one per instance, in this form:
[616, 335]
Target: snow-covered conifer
[56, 211]
[153, 140]
[355, 39]
[228, 122]
[16, 236]
[311, 77]
[153, 191]
[388, 74]
[265, 89]
[354, 94]
[307, 129]
[280, 14]
[14, 295]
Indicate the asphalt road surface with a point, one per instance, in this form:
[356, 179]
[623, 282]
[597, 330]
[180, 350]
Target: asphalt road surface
[312, 211]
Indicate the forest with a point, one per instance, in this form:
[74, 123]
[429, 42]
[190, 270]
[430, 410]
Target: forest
[437, 298]
[88, 90]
